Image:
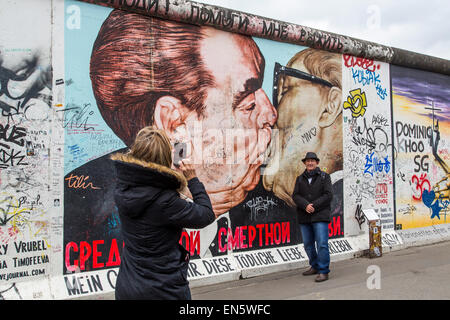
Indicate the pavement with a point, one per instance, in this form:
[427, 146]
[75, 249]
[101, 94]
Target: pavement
[415, 273]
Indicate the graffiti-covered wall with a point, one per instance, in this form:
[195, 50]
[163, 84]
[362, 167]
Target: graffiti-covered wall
[368, 142]
[79, 80]
[25, 142]
[420, 103]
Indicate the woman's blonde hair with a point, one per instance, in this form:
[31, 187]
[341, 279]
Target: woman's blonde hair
[152, 145]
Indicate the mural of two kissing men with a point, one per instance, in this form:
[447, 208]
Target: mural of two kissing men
[205, 88]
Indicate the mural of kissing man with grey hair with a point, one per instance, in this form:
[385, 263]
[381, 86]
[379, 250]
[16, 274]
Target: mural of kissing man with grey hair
[181, 78]
[308, 97]
[197, 84]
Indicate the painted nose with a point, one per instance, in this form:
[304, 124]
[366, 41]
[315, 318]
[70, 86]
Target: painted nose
[268, 114]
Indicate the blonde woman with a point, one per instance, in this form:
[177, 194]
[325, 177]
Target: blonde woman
[154, 264]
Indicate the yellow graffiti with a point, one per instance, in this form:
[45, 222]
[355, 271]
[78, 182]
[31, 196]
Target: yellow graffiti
[20, 218]
[13, 204]
[43, 227]
[47, 243]
[356, 102]
[442, 191]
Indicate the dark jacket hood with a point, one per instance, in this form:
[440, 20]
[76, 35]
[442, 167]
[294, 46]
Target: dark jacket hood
[140, 183]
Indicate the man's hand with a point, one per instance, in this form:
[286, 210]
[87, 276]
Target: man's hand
[310, 208]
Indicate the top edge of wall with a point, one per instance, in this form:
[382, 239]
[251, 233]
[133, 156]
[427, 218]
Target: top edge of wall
[253, 25]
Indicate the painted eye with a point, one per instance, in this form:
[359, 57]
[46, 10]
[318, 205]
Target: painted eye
[250, 107]
[283, 92]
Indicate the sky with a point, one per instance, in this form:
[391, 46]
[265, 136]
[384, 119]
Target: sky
[419, 26]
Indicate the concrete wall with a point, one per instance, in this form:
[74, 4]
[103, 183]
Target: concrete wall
[77, 84]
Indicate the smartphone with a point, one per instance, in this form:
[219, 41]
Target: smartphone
[179, 152]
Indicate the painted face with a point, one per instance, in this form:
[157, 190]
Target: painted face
[235, 129]
[300, 105]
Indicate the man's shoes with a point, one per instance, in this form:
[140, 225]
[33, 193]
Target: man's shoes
[321, 277]
[310, 272]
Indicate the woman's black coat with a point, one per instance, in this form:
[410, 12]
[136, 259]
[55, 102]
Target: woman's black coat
[319, 193]
[152, 214]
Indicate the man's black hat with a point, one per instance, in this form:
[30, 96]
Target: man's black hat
[310, 155]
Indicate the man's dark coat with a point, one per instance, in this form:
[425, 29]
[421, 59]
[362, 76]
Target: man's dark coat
[319, 192]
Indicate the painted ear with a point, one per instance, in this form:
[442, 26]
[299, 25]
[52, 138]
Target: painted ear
[168, 116]
[332, 108]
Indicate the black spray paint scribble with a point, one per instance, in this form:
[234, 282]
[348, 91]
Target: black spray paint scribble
[12, 287]
[260, 206]
[76, 117]
[11, 137]
[374, 139]
[359, 215]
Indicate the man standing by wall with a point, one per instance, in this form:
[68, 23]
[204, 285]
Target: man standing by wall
[312, 195]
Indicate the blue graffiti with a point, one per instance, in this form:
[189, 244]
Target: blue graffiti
[435, 206]
[381, 92]
[77, 153]
[373, 164]
[368, 77]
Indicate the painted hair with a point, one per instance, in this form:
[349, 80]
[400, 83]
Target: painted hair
[137, 59]
[322, 64]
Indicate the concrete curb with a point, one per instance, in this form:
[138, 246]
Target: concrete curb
[238, 265]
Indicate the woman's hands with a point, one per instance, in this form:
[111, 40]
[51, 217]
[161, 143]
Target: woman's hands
[187, 169]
